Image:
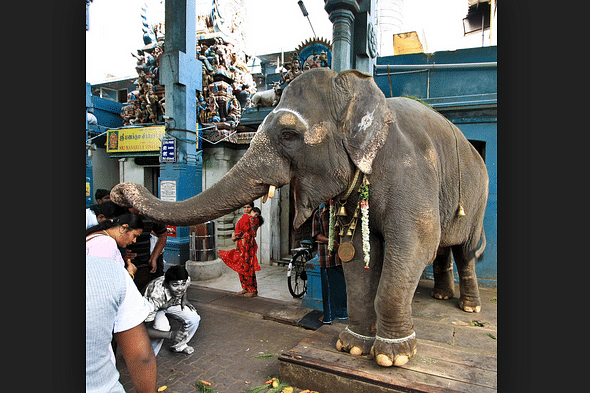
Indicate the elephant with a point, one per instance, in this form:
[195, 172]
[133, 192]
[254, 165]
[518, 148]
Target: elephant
[428, 190]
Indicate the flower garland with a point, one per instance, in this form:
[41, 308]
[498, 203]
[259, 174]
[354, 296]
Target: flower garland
[332, 229]
[364, 196]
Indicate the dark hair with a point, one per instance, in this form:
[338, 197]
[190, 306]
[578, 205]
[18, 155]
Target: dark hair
[260, 219]
[110, 210]
[101, 193]
[133, 220]
[249, 204]
[175, 273]
[94, 208]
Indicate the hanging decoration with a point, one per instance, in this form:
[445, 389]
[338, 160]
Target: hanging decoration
[331, 232]
[365, 231]
[346, 250]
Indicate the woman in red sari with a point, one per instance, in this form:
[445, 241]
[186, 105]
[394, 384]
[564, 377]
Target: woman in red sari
[243, 259]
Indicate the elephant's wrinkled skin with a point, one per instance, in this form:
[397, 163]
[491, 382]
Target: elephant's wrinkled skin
[327, 125]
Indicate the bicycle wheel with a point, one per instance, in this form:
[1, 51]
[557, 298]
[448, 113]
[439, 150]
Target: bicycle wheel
[297, 280]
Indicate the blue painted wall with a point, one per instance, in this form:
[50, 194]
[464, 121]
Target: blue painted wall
[468, 98]
[443, 82]
[107, 112]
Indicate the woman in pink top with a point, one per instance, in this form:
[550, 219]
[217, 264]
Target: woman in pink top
[103, 240]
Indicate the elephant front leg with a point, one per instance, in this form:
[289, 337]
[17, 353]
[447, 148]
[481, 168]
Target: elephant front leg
[395, 340]
[361, 287]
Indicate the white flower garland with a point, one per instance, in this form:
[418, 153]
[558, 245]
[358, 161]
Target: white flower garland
[365, 232]
[365, 222]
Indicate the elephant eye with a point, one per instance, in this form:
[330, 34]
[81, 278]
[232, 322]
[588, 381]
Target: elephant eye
[289, 135]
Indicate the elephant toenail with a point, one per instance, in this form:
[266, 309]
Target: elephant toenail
[356, 351]
[384, 360]
[401, 360]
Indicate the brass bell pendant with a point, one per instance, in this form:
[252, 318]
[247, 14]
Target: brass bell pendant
[349, 233]
[461, 212]
[356, 213]
[342, 211]
[341, 232]
[353, 225]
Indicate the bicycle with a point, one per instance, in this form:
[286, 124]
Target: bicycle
[296, 274]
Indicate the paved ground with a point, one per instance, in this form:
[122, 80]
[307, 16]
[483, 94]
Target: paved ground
[235, 330]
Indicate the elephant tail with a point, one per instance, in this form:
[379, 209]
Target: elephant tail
[482, 247]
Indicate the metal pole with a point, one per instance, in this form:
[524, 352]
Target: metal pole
[436, 66]
[306, 14]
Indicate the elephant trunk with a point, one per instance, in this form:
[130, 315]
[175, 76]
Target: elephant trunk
[241, 185]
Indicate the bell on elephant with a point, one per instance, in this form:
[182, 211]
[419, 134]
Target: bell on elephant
[461, 212]
[342, 211]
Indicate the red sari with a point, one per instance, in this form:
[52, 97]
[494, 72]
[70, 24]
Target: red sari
[243, 259]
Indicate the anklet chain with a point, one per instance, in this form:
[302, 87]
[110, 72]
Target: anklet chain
[396, 340]
[359, 336]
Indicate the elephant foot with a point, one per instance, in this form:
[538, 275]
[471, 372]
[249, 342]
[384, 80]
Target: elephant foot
[470, 305]
[442, 294]
[394, 352]
[354, 343]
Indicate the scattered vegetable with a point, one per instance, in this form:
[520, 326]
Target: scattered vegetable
[266, 356]
[204, 386]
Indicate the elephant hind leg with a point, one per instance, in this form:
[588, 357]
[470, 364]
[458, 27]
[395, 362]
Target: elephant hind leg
[444, 286]
[469, 300]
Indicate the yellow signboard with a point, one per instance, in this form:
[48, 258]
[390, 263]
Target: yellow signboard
[126, 140]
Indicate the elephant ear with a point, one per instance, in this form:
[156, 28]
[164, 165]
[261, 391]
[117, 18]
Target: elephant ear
[364, 116]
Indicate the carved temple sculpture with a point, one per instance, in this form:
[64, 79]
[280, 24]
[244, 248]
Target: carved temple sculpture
[228, 89]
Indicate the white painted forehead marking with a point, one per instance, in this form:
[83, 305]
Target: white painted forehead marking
[294, 112]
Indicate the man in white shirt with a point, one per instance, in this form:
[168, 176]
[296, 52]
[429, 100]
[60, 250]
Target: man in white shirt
[167, 295]
[115, 308]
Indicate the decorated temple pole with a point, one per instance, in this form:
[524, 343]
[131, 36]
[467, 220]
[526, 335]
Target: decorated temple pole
[180, 72]
[342, 14]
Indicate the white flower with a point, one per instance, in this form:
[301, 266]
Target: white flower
[365, 233]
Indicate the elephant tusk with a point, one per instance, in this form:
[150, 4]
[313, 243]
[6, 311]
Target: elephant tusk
[271, 193]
